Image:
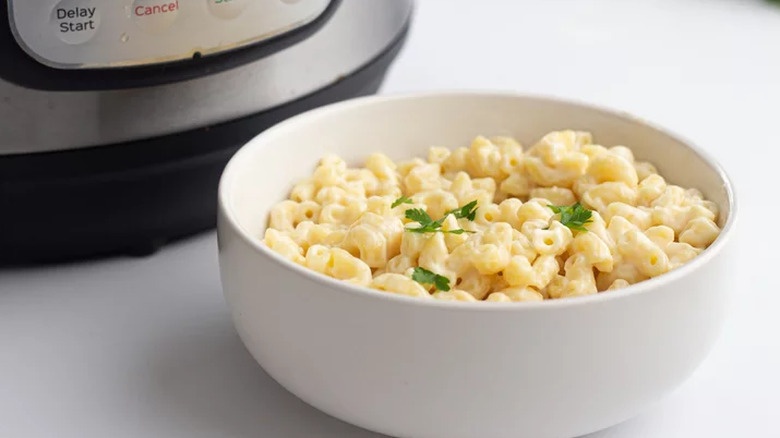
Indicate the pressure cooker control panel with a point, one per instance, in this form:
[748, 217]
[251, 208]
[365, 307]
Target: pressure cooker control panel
[74, 34]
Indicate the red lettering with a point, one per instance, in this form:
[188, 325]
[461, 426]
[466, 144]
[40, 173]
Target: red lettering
[141, 11]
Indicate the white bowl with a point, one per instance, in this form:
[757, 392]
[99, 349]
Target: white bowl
[430, 369]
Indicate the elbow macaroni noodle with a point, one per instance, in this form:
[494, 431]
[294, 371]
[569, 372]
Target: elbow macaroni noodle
[341, 222]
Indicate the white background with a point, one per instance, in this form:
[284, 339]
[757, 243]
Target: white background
[145, 347]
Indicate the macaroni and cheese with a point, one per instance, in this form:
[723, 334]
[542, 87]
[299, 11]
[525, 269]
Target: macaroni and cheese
[492, 222]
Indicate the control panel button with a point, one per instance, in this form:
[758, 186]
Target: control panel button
[75, 21]
[95, 34]
[155, 15]
[227, 9]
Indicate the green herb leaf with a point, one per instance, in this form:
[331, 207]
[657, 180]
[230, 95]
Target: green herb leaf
[468, 211]
[401, 200]
[458, 231]
[573, 216]
[424, 276]
[420, 216]
[557, 209]
[428, 225]
[431, 229]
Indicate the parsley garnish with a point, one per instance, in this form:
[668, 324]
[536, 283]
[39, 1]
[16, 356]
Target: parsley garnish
[419, 215]
[428, 225]
[424, 276]
[401, 200]
[468, 211]
[573, 216]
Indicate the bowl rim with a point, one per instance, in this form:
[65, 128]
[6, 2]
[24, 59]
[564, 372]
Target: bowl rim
[641, 288]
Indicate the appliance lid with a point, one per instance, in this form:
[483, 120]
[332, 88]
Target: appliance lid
[93, 44]
[41, 121]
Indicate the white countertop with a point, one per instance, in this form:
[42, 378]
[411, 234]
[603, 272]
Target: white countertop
[145, 347]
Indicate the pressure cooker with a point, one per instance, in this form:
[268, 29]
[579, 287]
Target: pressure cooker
[117, 117]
